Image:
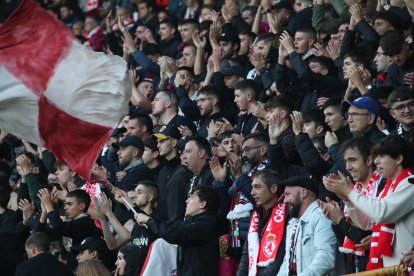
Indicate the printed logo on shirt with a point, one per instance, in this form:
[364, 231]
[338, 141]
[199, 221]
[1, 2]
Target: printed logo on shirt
[142, 241]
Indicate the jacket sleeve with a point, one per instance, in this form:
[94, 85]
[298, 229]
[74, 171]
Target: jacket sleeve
[323, 260]
[298, 64]
[188, 107]
[355, 234]
[367, 32]
[147, 64]
[244, 261]
[34, 185]
[334, 153]
[186, 232]
[390, 208]
[310, 155]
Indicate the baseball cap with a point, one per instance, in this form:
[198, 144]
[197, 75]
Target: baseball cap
[91, 243]
[166, 132]
[230, 70]
[229, 33]
[363, 102]
[301, 181]
[131, 141]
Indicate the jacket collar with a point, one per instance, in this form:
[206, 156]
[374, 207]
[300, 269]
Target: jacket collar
[308, 213]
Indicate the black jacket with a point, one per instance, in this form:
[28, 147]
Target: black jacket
[43, 264]
[198, 244]
[77, 229]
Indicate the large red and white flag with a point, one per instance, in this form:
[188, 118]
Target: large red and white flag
[56, 92]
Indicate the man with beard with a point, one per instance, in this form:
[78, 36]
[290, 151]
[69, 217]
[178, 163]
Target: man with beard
[310, 241]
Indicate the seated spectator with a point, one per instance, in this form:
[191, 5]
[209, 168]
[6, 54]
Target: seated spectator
[401, 102]
[90, 249]
[127, 260]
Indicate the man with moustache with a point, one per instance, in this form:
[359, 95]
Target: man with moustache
[310, 241]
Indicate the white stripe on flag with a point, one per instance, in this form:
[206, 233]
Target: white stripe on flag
[374, 244]
[374, 260]
[387, 229]
[18, 108]
[375, 234]
[90, 86]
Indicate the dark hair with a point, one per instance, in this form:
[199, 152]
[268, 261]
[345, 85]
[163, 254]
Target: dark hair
[210, 91]
[251, 9]
[59, 247]
[209, 195]
[320, 144]
[5, 191]
[39, 240]
[186, 68]
[316, 116]
[392, 42]
[325, 63]
[264, 138]
[172, 97]
[401, 94]
[154, 190]
[202, 143]
[170, 22]
[224, 135]
[132, 260]
[394, 145]
[307, 30]
[360, 143]
[151, 143]
[143, 119]
[247, 86]
[280, 101]
[270, 177]
[82, 197]
[189, 21]
[358, 56]
[334, 103]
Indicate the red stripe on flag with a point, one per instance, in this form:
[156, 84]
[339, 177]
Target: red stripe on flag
[40, 41]
[71, 139]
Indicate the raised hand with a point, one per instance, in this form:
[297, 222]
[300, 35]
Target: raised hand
[24, 164]
[235, 164]
[338, 184]
[276, 127]
[297, 122]
[287, 41]
[199, 42]
[129, 43]
[45, 198]
[219, 172]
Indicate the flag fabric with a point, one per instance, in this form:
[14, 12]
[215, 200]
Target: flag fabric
[56, 92]
[161, 259]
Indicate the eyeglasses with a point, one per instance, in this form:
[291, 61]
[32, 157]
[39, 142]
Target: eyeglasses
[355, 115]
[401, 108]
[247, 149]
[203, 99]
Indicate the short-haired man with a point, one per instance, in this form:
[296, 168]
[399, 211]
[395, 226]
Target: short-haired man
[186, 28]
[140, 125]
[229, 41]
[169, 39]
[40, 262]
[197, 236]
[173, 178]
[401, 102]
[79, 225]
[388, 215]
[146, 195]
[165, 108]
[359, 163]
[362, 115]
[265, 246]
[310, 241]
[245, 96]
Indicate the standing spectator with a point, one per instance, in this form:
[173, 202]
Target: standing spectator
[310, 241]
[40, 262]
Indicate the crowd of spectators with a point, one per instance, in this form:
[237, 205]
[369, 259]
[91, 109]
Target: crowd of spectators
[263, 138]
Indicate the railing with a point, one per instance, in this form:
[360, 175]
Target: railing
[399, 270]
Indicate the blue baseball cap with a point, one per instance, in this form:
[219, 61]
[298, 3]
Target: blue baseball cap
[363, 102]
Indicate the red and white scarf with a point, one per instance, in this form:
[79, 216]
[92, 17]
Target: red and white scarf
[383, 234]
[263, 252]
[370, 191]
